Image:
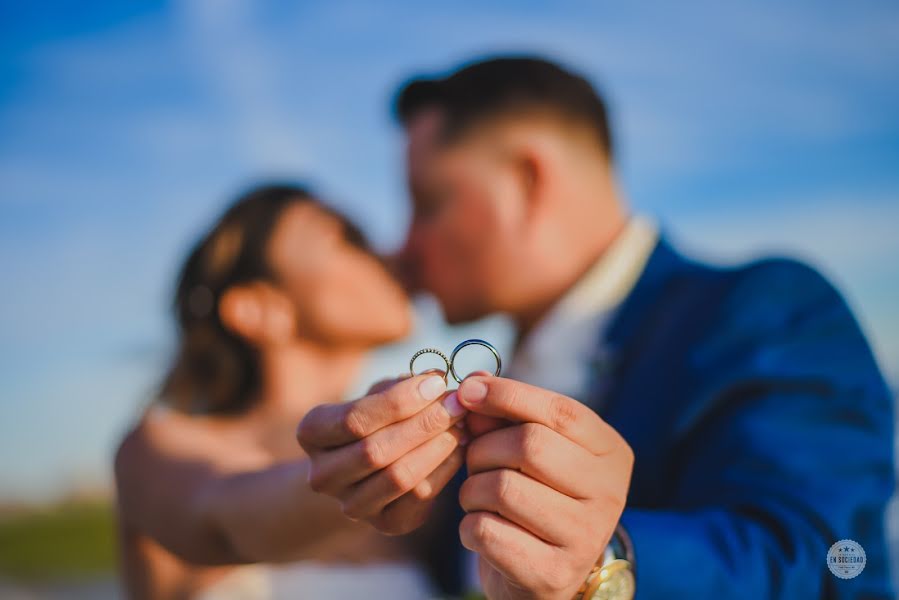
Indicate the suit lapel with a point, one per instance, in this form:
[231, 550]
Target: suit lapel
[622, 340]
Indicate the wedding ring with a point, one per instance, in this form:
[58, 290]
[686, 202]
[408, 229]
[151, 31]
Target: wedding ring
[429, 351]
[474, 342]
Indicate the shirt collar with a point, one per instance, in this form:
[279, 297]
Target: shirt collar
[556, 353]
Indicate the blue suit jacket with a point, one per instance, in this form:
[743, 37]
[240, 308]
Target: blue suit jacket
[762, 431]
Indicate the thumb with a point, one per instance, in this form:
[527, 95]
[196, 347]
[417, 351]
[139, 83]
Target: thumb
[478, 425]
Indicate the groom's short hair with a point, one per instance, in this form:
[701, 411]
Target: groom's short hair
[505, 86]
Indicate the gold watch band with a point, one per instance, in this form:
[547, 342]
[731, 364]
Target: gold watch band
[613, 581]
[612, 577]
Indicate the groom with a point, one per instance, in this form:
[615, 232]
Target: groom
[758, 423]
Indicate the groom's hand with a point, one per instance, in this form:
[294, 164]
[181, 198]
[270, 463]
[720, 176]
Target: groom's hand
[386, 456]
[544, 492]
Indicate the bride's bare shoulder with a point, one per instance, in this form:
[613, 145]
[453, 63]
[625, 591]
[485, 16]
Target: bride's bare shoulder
[163, 429]
[164, 438]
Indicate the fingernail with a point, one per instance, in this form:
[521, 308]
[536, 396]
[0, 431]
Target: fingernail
[460, 425]
[464, 439]
[432, 387]
[472, 391]
[452, 406]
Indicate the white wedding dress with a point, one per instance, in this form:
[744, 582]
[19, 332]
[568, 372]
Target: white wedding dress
[396, 581]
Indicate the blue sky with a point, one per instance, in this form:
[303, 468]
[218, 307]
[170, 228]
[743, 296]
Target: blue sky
[745, 129]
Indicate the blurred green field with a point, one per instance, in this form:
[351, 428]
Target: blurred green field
[74, 540]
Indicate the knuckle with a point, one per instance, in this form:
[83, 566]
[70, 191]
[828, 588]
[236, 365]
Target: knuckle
[392, 402]
[511, 398]
[614, 501]
[400, 477]
[433, 420]
[532, 438]
[354, 423]
[372, 452]
[472, 531]
[481, 529]
[505, 488]
[562, 413]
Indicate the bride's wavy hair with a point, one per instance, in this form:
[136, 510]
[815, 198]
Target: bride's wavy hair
[216, 371]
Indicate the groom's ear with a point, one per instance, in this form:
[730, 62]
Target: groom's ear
[530, 168]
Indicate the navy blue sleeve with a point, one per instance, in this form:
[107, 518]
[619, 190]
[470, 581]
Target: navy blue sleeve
[785, 449]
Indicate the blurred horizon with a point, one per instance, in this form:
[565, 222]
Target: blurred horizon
[126, 129]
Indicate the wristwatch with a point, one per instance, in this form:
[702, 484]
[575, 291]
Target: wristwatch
[612, 577]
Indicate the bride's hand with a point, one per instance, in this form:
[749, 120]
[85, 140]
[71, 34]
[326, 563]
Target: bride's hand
[386, 456]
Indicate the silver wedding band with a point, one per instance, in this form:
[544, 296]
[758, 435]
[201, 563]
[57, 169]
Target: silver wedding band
[450, 362]
[488, 345]
[429, 351]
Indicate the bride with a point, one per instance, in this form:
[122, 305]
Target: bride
[276, 307]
